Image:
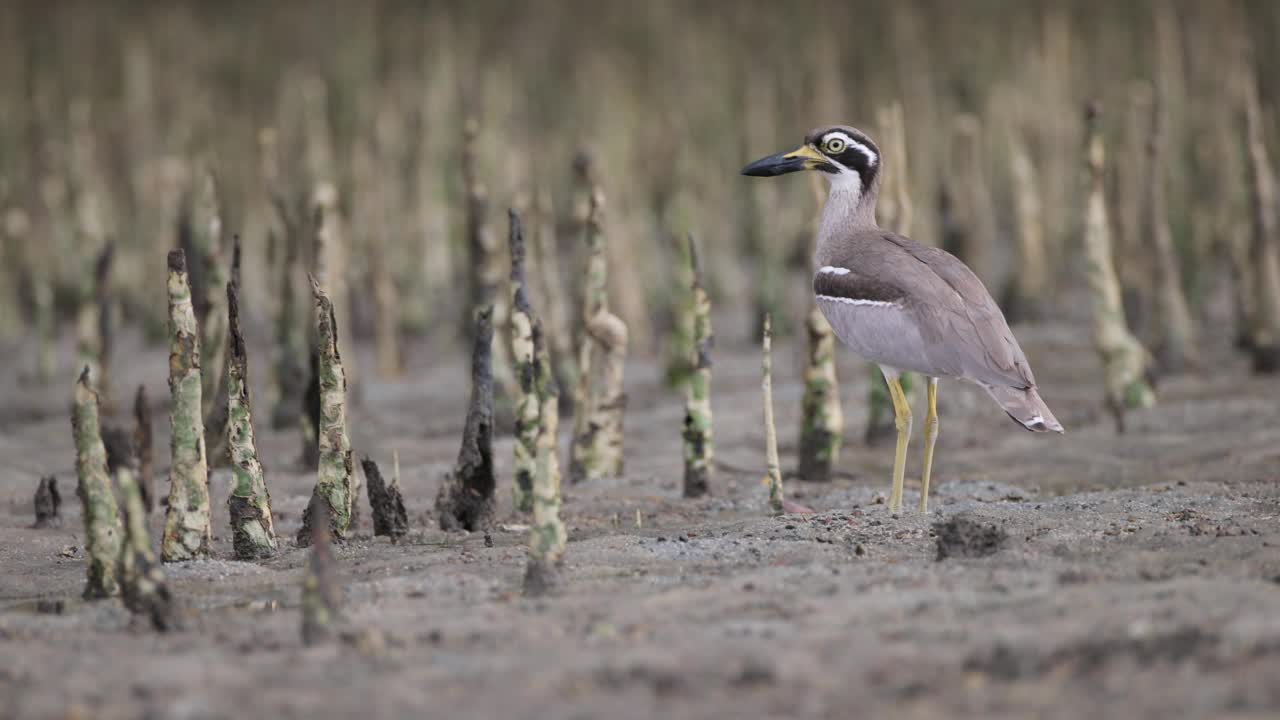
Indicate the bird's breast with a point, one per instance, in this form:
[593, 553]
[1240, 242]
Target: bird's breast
[883, 332]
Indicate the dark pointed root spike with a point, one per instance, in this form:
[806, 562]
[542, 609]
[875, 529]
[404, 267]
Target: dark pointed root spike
[47, 503]
[103, 265]
[236, 255]
[695, 259]
[233, 302]
[540, 578]
[317, 515]
[177, 260]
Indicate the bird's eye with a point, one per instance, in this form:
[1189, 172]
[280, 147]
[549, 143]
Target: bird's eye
[834, 146]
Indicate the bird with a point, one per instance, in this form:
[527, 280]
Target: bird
[904, 305]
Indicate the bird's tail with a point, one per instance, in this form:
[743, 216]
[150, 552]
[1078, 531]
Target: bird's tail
[1026, 407]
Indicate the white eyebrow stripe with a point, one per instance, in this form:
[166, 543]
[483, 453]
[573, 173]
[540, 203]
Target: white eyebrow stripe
[860, 301]
[833, 270]
[872, 159]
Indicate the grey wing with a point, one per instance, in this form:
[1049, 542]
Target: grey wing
[963, 328]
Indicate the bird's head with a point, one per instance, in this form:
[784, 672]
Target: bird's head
[844, 155]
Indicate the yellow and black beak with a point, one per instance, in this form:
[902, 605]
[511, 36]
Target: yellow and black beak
[802, 158]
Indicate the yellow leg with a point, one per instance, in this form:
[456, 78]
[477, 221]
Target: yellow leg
[930, 437]
[902, 421]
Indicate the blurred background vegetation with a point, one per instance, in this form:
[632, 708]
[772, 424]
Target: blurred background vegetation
[111, 113]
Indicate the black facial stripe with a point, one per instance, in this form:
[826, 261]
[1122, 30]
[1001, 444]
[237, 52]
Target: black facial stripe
[851, 156]
[854, 159]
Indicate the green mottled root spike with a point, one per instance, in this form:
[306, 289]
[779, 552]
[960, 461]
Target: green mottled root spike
[547, 536]
[142, 581]
[697, 435]
[335, 477]
[321, 596]
[822, 422]
[212, 319]
[252, 530]
[187, 526]
[522, 354]
[289, 370]
[599, 401]
[1125, 361]
[101, 520]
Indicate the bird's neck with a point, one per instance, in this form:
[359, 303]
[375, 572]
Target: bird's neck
[846, 211]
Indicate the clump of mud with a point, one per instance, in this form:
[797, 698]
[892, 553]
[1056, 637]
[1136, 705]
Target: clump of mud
[965, 537]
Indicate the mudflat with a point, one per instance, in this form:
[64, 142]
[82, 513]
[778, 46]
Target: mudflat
[1133, 575]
